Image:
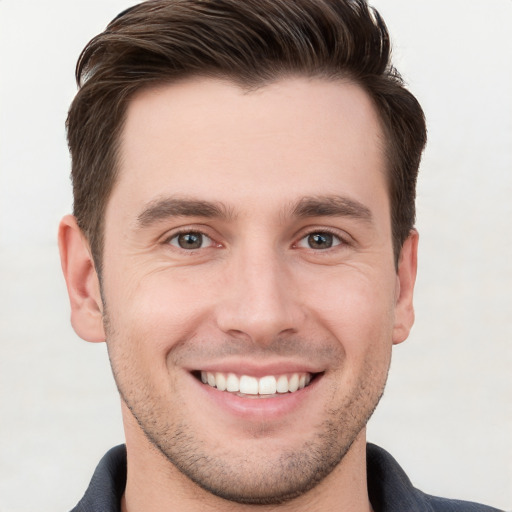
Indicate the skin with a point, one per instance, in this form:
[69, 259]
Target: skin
[265, 170]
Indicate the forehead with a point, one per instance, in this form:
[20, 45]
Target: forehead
[213, 140]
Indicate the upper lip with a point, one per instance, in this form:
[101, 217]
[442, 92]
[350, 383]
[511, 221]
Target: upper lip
[258, 369]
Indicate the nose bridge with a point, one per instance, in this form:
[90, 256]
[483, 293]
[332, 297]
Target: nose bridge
[259, 301]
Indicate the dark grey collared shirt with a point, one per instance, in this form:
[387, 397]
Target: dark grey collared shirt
[389, 488]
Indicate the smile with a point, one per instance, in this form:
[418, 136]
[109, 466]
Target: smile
[247, 385]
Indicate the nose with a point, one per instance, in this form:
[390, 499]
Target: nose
[260, 300]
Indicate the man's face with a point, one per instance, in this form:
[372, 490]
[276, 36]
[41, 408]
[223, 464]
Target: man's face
[248, 244]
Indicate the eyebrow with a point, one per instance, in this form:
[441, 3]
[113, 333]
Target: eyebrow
[310, 206]
[165, 208]
[331, 206]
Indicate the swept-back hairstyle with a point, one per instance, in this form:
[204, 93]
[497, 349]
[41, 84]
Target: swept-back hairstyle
[251, 42]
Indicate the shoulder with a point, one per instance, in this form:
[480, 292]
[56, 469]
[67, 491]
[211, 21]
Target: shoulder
[107, 484]
[390, 489]
[445, 505]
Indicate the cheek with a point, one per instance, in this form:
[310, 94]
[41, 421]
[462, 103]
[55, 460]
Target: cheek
[158, 311]
[357, 308]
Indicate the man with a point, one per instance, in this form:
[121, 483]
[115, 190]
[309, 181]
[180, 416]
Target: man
[243, 239]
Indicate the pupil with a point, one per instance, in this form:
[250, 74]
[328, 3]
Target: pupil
[190, 240]
[320, 241]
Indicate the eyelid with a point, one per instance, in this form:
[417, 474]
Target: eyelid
[170, 235]
[204, 239]
[344, 238]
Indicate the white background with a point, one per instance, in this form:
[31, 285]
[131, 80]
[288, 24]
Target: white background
[447, 412]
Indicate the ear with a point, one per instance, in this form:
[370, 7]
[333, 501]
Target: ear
[82, 281]
[406, 277]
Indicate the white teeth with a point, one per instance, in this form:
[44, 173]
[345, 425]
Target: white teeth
[293, 383]
[247, 385]
[220, 381]
[232, 383]
[267, 385]
[282, 384]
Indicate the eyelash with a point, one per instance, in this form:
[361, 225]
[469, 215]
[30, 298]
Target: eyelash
[169, 239]
[341, 241]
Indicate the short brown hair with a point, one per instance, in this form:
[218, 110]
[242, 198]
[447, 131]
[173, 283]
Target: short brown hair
[251, 42]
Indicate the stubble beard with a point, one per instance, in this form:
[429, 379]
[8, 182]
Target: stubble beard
[256, 480]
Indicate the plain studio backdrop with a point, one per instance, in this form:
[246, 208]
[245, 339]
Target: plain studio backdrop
[447, 411]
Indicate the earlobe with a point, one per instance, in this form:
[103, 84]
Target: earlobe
[82, 281]
[406, 278]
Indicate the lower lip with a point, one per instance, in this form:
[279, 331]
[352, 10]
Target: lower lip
[270, 408]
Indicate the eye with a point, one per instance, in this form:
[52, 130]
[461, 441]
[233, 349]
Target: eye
[190, 240]
[319, 240]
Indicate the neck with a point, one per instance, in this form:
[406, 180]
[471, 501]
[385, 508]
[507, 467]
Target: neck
[154, 484]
